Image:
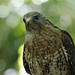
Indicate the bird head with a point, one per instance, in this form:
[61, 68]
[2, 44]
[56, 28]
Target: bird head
[33, 21]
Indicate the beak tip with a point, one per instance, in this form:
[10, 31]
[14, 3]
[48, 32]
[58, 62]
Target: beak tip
[28, 23]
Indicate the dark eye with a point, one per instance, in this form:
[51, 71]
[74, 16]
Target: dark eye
[36, 17]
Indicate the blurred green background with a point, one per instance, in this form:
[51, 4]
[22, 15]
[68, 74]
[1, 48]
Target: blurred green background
[12, 28]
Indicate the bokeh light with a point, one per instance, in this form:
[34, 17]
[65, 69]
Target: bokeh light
[24, 9]
[71, 3]
[12, 20]
[42, 1]
[38, 2]
[17, 3]
[23, 72]
[66, 20]
[4, 11]
[10, 72]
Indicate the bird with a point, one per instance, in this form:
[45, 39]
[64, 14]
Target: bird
[48, 50]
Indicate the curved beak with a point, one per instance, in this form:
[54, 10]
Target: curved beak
[27, 22]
